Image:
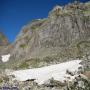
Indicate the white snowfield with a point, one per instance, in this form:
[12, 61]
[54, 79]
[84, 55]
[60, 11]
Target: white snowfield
[42, 75]
[5, 58]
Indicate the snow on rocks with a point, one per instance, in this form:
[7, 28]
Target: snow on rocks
[5, 58]
[41, 75]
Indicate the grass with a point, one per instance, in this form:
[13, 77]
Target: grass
[83, 47]
[23, 65]
[84, 43]
[87, 69]
[1, 80]
[23, 46]
[38, 26]
[86, 11]
[2, 66]
[1, 36]
[73, 52]
[36, 62]
[34, 27]
[31, 63]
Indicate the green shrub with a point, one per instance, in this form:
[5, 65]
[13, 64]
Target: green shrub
[35, 63]
[83, 48]
[23, 46]
[34, 27]
[23, 65]
[1, 80]
[86, 11]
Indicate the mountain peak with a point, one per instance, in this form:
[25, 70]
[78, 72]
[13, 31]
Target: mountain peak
[57, 7]
[57, 10]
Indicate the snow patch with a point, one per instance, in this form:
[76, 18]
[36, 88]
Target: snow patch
[5, 58]
[41, 75]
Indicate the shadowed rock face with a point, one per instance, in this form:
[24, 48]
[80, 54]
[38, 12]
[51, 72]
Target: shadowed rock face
[63, 28]
[3, 45]
[3, 40]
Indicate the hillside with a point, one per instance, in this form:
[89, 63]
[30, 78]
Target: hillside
[64, 34]
[52, 53]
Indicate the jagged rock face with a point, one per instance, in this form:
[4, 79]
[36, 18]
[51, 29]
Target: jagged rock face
[63, 28]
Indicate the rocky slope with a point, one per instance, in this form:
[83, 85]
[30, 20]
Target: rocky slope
[64, 34]
[5, 47]
[3, 43]
[3, 40]
[47, 78]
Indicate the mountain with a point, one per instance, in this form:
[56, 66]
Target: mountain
[64, 34]
[52, 53]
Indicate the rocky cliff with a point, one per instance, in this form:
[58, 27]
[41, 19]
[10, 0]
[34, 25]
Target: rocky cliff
[65, 33]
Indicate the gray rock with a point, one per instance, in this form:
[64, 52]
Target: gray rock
[63, 28]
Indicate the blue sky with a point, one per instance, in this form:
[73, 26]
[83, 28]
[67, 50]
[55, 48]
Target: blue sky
[16, 13]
